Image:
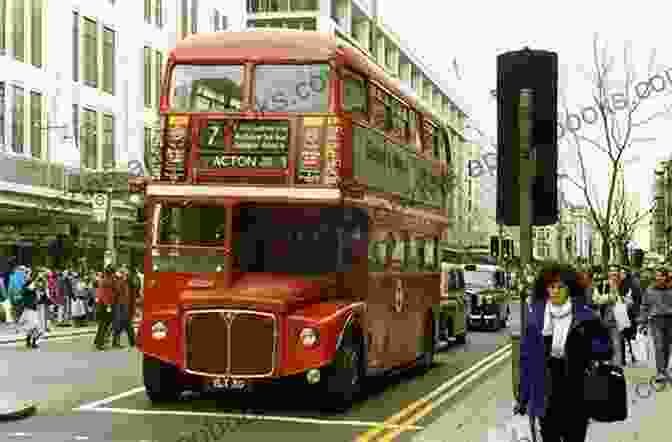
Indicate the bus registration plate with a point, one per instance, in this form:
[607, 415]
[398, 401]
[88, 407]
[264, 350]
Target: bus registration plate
[229, 384]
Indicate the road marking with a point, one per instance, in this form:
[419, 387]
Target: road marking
[92, 405]
[431, 395]
[22, 343]
[435, 404]
[300, 420]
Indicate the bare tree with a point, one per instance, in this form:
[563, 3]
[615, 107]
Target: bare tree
[626, 219]
[617, 127]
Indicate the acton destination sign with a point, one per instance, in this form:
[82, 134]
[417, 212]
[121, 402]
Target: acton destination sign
[255, 144]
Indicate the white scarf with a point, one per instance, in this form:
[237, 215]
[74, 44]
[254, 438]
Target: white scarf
[557, 320]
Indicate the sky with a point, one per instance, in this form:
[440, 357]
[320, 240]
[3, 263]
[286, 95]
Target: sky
[475, 32]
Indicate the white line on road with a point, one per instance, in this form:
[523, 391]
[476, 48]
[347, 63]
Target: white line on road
[92, 405]
[300, 420]
[22, 343]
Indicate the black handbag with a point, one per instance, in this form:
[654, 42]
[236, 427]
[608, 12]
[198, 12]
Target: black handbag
[605, 393]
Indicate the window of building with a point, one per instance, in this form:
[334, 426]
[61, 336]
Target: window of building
[159, 68]
[148, 77]
[89, 139]
[75, 125]
[36, 124]
[36, 34]
[75, 46]
[19, 31]
[90, 53]
[148, 145]
[3, 26]
[2, 113]
[108, 60]
[148, 11]
[304, 5]
[185, 18]
[215, 20]
[108, 141]
[17, 123]
[158, 12]
[194, 16]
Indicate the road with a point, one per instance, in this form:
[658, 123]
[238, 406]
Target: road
[84, 394]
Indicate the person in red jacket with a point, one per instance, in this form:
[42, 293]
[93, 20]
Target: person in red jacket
[105, 296]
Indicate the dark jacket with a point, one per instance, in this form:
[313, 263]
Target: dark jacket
[587, 340]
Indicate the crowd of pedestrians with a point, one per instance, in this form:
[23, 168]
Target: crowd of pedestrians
[576, 322]
[34, 300]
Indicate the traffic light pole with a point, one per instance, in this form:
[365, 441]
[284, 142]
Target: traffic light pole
[527, 172]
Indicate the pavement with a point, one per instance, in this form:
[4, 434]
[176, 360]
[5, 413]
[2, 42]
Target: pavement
[485, 415]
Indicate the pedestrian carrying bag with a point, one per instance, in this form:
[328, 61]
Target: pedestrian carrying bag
[605, 393]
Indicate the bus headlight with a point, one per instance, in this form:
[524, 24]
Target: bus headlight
[159, 330]
[309, 337]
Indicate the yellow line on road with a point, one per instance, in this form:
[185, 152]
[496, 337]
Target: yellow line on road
[435, 404]
[394, 420]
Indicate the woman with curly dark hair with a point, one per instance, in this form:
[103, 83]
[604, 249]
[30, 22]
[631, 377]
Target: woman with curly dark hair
[562, 338]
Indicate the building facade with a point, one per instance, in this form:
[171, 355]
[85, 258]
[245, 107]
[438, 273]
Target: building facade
[79, 93]
[661, 221]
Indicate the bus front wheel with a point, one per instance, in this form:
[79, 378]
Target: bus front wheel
[160, 379]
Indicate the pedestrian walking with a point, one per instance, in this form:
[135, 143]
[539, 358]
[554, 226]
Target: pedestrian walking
[17, 280]
[611, 293]
[30, 299]
[563, 338]
[105, 296]
[123, 304]
[656, 315]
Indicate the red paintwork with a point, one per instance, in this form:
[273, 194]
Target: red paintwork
[298, 301]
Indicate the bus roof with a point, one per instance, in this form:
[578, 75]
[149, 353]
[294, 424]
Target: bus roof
[298, 44]
[289, 45]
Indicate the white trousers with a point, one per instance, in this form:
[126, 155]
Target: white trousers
[7, 306]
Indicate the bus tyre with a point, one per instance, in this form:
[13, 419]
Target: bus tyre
[427, 359]
[343, 378]
[161, 380]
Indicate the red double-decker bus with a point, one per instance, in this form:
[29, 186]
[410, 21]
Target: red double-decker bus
[293, 219]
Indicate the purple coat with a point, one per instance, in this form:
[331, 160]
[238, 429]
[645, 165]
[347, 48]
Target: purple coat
[587, 340]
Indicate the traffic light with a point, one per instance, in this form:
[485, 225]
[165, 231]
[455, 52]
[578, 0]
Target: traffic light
[536, 70]
[494, 246]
